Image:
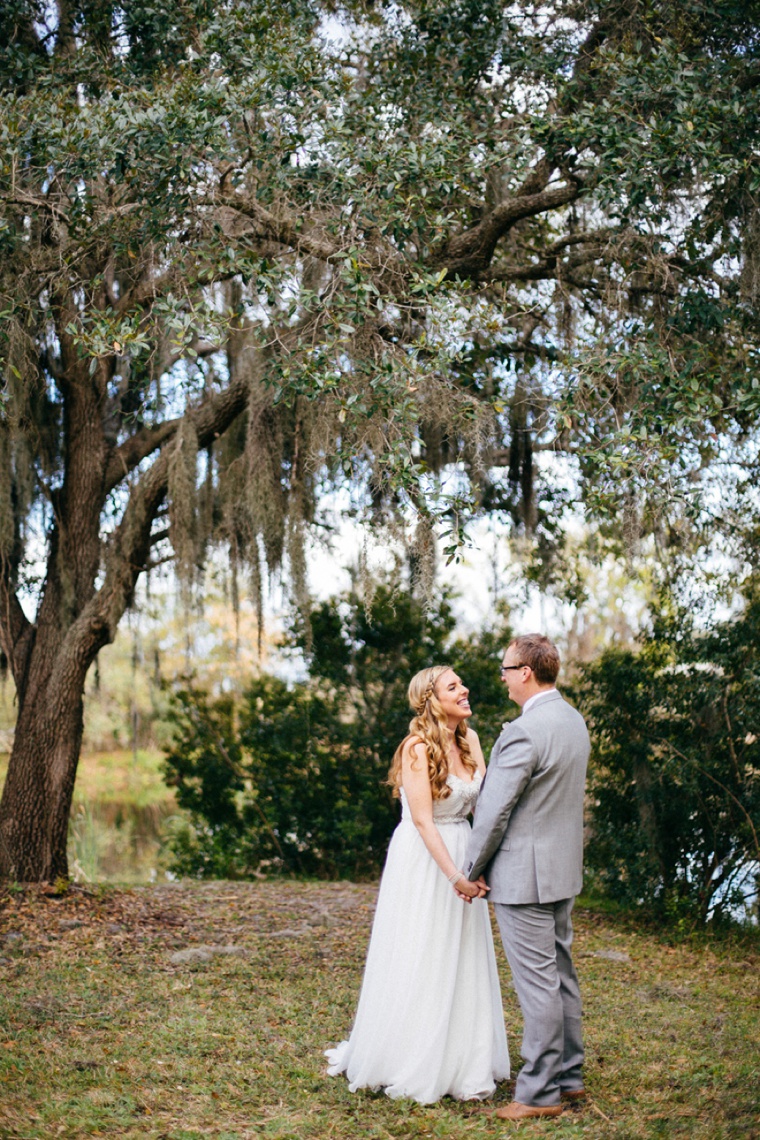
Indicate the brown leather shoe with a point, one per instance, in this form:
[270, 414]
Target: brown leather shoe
[574, 1096]
[518, 1111]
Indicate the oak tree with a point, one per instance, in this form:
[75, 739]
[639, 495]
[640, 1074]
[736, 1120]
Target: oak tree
[248, 250]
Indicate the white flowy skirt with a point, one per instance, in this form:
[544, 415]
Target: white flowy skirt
[429, 1022]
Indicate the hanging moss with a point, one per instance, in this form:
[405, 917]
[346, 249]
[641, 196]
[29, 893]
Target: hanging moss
[265, 490]
[7, 520]
[183, 502]
[422, 559]
[750, 271]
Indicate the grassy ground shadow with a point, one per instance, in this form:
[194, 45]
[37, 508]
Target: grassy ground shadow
[103, 1033]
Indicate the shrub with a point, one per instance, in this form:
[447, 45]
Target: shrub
[674, 779]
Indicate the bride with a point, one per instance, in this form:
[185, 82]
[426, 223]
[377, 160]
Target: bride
[429, 1021]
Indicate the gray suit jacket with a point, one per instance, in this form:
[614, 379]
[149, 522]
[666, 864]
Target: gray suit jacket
[527, 834]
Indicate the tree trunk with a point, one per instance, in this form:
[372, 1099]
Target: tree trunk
[50, 657]
[34, 811]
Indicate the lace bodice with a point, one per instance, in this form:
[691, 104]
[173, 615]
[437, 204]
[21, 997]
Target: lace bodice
[456, 807]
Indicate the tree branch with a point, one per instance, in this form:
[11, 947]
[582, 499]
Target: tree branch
[500, 457]
[715, 780]
[547, 267]
[262, 224]
[148, 287]
[470, 253]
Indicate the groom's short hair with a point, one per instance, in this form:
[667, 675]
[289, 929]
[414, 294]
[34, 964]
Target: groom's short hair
[540, 653]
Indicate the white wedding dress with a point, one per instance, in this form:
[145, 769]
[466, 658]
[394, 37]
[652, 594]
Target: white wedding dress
[429, 1021]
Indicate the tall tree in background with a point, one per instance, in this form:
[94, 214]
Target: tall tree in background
[248, 250]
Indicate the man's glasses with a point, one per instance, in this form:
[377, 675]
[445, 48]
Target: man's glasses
[505, 668]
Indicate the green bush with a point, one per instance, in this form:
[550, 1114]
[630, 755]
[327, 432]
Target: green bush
[292, 779]
[674, 778]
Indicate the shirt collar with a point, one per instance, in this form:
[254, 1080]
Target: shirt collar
[531, 701]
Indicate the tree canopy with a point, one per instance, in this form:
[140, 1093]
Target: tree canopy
[445, 232]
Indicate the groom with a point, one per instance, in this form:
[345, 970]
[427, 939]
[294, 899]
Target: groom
[527, 837]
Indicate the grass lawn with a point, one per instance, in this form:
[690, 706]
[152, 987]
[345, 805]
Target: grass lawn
[101, 1033]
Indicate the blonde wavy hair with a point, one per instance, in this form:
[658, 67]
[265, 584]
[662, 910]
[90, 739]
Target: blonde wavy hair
[429, 726]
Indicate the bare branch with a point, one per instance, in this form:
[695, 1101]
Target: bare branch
[500, 457]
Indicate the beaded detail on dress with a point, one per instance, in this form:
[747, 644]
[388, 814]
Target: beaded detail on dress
[456, 807]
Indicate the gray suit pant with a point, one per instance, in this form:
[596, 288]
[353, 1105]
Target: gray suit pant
[537, 939]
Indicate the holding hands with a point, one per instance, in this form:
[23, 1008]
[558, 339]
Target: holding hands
[466, 890]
